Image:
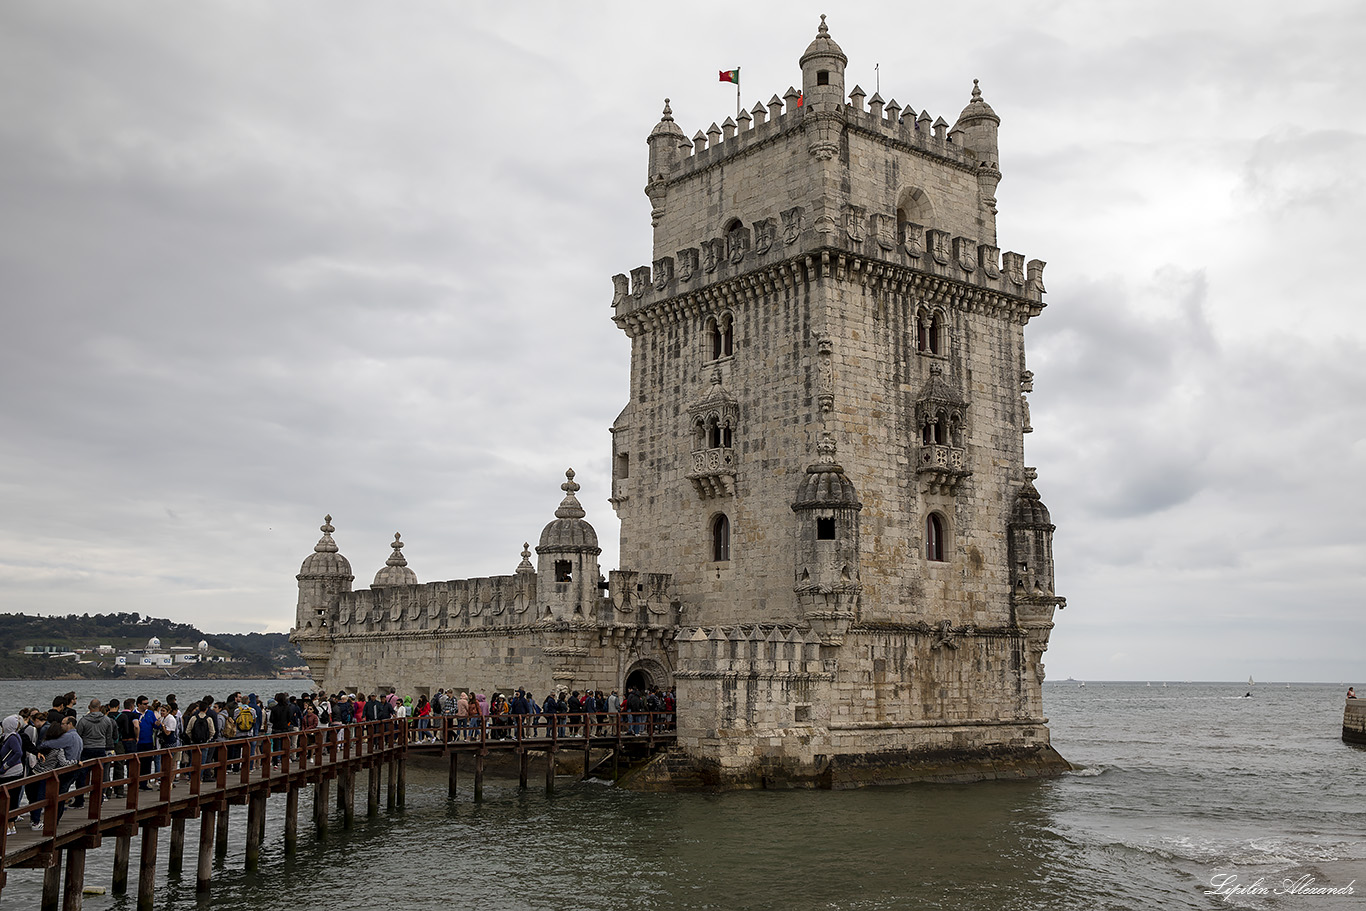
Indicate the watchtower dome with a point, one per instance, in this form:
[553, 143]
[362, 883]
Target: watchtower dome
[567, 560]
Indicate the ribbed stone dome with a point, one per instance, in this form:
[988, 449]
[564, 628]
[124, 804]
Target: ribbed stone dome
[1029, 510]
[568, 532]
[825, 485]
[823, 46]
[977, 109]
[326, 560]
[666, 125]
[395, 570]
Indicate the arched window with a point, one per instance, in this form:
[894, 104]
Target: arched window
[934, 537]
[727, 336]
[936, 339]
[720, 539]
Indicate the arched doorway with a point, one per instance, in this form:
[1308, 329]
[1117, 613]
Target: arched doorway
[644, 674]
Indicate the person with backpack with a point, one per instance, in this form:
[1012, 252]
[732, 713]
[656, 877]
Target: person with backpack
[281, 723]
[13, 764]
[97, 732]
[238, 725]
[199, 730]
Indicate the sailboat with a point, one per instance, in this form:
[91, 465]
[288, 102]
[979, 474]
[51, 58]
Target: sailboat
[1250, 681]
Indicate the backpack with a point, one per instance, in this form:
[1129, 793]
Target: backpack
[201, 728]
[244, 720]
[124, 720]
[12, 754]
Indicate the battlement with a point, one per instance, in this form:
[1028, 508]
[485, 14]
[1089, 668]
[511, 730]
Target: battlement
[865, 245]
[632, 599]
[764, 123]
[751, 649]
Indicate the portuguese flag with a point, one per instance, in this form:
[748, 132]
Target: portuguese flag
[731, 75]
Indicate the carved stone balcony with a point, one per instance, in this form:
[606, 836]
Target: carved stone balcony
[942, 468]
[713, 472]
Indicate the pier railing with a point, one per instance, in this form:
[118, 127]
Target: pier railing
[187, 781]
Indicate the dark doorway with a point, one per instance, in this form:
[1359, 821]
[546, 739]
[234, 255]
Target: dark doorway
[638, 679]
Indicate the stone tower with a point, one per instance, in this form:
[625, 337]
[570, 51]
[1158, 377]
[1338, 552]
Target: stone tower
[826, 281]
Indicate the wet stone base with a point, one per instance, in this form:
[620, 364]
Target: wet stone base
[675, 770]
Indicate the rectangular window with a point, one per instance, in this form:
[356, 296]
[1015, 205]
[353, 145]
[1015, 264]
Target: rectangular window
[825, 529]
[564, 571]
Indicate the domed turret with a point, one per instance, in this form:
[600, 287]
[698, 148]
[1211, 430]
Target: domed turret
[395, 570]
[1031, 545]
[567, 561]
[153, 642]
[324, 575]
[326, 559]
[823, 72]
[666, 142]
[827, 558]
[976, 130]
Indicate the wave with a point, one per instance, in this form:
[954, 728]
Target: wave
[1088, 772]
[1280, 851]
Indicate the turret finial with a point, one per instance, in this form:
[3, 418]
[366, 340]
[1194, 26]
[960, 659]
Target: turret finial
[669, 114]
[325, 544]
[823, 30]
[397, 558]
[570, 508]
[825, 448]
[976, 91]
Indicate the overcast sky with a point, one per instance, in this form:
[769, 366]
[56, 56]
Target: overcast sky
[264, 261]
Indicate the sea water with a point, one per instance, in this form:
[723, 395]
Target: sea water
[1187, 796]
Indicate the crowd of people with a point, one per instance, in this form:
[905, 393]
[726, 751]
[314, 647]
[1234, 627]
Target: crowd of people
[33, 741]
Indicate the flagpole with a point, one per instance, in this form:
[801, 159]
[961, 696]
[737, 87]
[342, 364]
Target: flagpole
[737, 96]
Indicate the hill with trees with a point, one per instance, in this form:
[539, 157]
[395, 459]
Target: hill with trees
[250, 654]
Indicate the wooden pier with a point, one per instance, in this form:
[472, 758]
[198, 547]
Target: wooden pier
[204, 781]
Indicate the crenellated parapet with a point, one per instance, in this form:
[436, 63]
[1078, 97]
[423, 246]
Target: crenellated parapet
[1008, 293]
[922, 133]
[492, 601]
[752, 650]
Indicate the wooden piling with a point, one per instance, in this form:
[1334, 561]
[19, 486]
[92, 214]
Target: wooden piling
[256, 806]
[292, 819]
[346, 794]
[204, 874]
[122, 848]
[391, 792]
[402, 764]
[220, 848]
[75, 879]
[452, 776]
[52, 884]
[320, 797]
[147, 867]
[479, 775]
[523, 760]
[176, 860]
[587, 754]
[550, 770]
[372, 793]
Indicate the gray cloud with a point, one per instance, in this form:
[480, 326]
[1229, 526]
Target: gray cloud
[263, 262]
